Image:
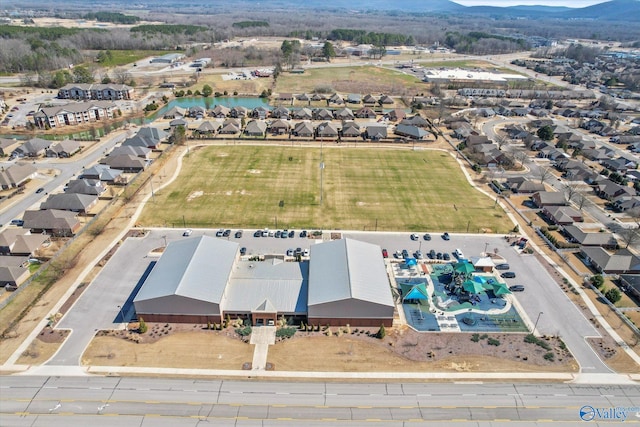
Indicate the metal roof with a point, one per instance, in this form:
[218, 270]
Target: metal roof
[348, 269]
[197, 268]
[283, 284]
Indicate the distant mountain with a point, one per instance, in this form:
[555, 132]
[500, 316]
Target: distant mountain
[616, 10]
[418, 6]
[517, 11]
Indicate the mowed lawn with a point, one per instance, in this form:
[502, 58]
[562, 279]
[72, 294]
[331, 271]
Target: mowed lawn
[250, 186]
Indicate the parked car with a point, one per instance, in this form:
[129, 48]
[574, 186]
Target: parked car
[405, 253]
[427, 236]
[385, 254]
[258, 233]
[278, 234]
[446, 256]
[503, 266]
[219, 233]
[226, 233]
[187, 232]
[243, 250]
[40, 190]
[445, 236]
[458, 253]
[508, 275]
[289, 252]
[303, 233]
[398, 254]
[284, 234]
[17, 222]
[439, 255]
[418, 254]
[298, 251]
[238, 234]
[305, 252]
[292, 234]
[414, 236]
[516, 288]
[432, 254]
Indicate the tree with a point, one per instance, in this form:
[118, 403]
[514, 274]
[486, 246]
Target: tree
[597, 280]
[60, 78]
[207, 91]
[629, 236]
[570, 192]
[381, 332]
[179, 135]
[544, 173]
[82, 75]
[545, 133]
[613, 295]
[143, 326]
[328, 51]
[122, 76]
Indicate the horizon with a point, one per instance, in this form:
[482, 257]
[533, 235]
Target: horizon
[507, 3]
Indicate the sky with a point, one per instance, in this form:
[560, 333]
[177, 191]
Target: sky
[566, 3]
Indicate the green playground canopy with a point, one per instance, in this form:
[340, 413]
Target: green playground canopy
[414, 291]
[464, 267]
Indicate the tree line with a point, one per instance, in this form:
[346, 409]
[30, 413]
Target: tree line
[115, 17]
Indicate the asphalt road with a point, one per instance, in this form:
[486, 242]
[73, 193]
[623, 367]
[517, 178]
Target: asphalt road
[115, 286]
[107, 401]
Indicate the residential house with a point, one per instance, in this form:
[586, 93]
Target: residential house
[350, 129]
[303, 129]
[562, 215]
[575, 234]
[318, 97]
[88, 91]
[149, 137]
[548, 198]
[303, 97]
[74, 202]
[174, 113]
[416, 120]
[52, 221]
[280, 113]
[610, 190]
[13, 271]
[206, 130]
[365, 113]
[376, 132]
[411, 132]
[260, 113]
[620, 165]
[322, 114]
[476, 140]
[220, 111]
[385, 100]
[238, 112]
[335, 99]
[230, 127]
[631, 283]
[63, 149]
[279, 127]
[344, 114]
[302, 114]
[173, 124]
[255, 128]
[369, 100]
[7, 146]
[354, 98]
[519, 184]
[35, 147]
[17, 175]
[622, 261]
[485, 112]
[327, 130]
[93, 187]
[598, 154]
[74, 114]
[520, 112]
[197, 112]
[285, 97]
[20, 242]
[503, 111]
[126, 163]
[624, 203]
[105, 174]
[397, 115]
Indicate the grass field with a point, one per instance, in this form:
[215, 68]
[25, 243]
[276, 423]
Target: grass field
[123, 57]
[249, 186]
[364, 79]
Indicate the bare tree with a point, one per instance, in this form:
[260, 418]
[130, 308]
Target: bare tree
[122, 76]
[630, 236]
[571, 191]
[520, 156]
[544, 174]
[580, 199]
[501, 140]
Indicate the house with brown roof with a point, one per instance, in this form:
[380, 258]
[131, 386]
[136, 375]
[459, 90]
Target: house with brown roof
[302, 114]
[52, 221]
[93, 187]
[74, 202]
[303, 129]
[562, 215]
[549, 198]
[16, 175]
[13, 271]
[279, 126]
[125, 163]
[344, 114]
[7, 146]
[63, 149]
[622, 261]
[327, 130]
[397, 114]
[350, 129]
[255, 128]
[575, 234]
[20, 242]
[220, 111]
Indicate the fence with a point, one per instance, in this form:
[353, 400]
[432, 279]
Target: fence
[620, 314]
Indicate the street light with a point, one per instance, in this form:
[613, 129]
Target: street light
[120, 314]
[485, 248]
[535, 326]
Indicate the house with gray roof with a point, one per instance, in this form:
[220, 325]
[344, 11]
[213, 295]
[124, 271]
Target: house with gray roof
[239, 111]
[411, 132]
[13, 271]
[344, 114]
[416, 120]
[35, 147]
[16, 175]
[376, 132]
[279, 126]
[63, 149]
[126, 163]
[302, 114]
[93, 187]
[576, 235]
[20, 242]
[303, 129]
[350, 129]
[175, 113]
[7, 146]
[220, 111]
[519, 184]
[622, 261]
[104, 173]
[562, 215]
[142, 152]
[327, 130]
[549, 198]
[255, 128]
[52, 221]
[348, 284]
[80, 203]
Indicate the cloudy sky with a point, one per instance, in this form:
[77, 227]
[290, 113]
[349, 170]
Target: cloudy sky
[567, 3]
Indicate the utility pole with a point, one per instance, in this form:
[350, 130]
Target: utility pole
[321, 172]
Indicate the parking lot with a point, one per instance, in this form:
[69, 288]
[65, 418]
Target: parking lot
[114, 285]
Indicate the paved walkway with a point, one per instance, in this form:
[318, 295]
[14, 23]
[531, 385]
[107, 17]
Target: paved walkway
[262, 337]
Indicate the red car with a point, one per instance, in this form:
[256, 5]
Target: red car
[385, 254]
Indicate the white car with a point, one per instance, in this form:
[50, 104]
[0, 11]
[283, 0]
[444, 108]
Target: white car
[187, 232]
[305, 252]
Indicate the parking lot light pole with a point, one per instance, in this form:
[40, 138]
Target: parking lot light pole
[535, 326]
[120, 313]
[486, 245]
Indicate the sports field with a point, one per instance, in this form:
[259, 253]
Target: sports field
[249, 186]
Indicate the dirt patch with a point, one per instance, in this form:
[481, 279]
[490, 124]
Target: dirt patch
[360, 351]
[194, 195]
[43, 347]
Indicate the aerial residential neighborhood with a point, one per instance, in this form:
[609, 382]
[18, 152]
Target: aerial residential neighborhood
[289, 220]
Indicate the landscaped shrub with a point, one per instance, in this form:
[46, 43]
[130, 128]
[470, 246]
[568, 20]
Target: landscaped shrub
[597, 280]
[381, 332]
[243, 332]
[548, 356]
[475, 337]
[532, 339]
[493, 341]
[613, 295]
[286, 332]
[142, 329]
